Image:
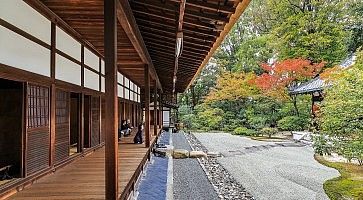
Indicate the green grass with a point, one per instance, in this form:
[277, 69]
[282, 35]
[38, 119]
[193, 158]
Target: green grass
[349, 185]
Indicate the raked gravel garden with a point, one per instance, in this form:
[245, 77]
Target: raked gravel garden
[249, 169]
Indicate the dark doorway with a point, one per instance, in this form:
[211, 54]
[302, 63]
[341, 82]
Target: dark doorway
[75, 128]
[87, 122]
[11, 129]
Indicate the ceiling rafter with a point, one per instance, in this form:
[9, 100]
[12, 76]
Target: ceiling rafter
[174, 7]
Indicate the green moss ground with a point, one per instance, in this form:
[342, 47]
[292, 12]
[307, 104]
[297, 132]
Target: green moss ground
[349, 185]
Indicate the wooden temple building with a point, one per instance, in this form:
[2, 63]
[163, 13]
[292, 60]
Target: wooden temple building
[71, 70]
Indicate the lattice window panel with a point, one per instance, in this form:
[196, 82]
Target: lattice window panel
[38, 108]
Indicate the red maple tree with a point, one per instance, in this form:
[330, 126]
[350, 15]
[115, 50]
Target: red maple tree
[280, 75]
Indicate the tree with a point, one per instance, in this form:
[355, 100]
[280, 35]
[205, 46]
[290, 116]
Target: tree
[233, 86]
[311, 29]
[341, 114]
[282, 75]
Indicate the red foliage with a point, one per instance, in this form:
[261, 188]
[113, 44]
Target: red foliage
[280, 75]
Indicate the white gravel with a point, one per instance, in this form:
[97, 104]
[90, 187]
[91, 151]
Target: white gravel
[269, 170]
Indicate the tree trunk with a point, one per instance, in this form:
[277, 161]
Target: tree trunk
[294, 99]
[193, 97]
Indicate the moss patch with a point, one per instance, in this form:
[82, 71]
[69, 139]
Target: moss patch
[349, 185]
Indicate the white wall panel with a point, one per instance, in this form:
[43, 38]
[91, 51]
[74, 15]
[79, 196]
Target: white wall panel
[103, 67]
[131, 86]
[67, 70]
[22, 53]
[21, 15]
[102, 84]
[120, 92]
[166, 116]
[127, 83]
[91, 80]
[91, 59]
[120, 78]
[68, 44]
[127, 93]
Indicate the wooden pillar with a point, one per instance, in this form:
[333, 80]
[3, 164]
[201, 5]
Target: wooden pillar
[52, 124]
[52, 95]
[111, 140]
[155, 110]
[147, 106]
[160, 111]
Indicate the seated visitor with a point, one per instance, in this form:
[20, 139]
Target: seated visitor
[128, 128]
[138, 136]
[123, 129]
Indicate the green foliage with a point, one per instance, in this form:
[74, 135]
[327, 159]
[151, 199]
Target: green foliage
[210, 118]
[354, 150]
[342, 109]
[314, 30]
[269, 131]
[244, 131]
[322, 145]
[292, 123]
[252, 53]
[257, 122]
[341, 113]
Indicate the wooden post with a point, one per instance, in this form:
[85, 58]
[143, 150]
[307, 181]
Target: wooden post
[155, 110]
[111, 142]
[147, 106]
[160, 112]
[52, 124]
[52, 96]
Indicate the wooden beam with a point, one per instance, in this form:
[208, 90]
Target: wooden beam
[172, 18]
[171, 48]
[172, 42]
[207, 36]
[130, 62]
[172, 7]
[156, 51]
[186, 40]
[128, 23]
[171, 59]
[147, 106]
[208, 6]
[111, 120]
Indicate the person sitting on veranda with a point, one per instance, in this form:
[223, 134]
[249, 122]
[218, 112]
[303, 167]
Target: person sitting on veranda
[138, 136]
[129, 127]
[124, 130]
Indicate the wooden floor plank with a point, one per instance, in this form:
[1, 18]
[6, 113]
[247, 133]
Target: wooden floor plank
[85, 177]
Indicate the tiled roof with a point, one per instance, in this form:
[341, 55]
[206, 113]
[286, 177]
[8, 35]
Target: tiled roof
[316, 84]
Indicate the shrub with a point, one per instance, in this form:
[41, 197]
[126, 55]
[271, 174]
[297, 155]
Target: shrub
[322, 145]
[257, 122]
[292, 123]
[244, 131]
[341, 113]
[353, 150]
[269, 131]
[210, 119]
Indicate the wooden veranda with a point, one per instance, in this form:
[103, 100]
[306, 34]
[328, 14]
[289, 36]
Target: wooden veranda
[72, 70]
[85, 177]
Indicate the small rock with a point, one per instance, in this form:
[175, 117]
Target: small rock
[180, 153]
[213, 154]
[197, 154]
